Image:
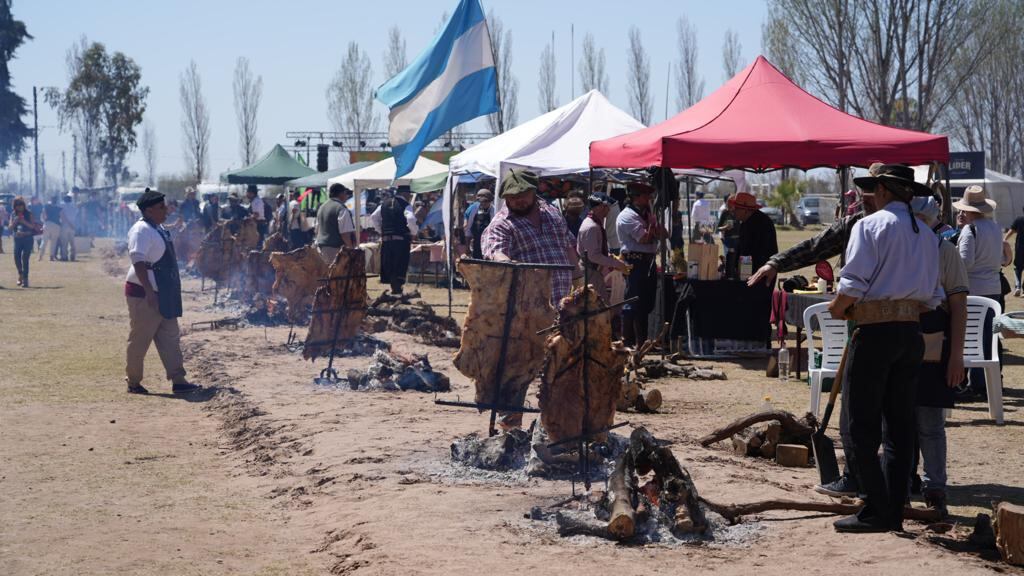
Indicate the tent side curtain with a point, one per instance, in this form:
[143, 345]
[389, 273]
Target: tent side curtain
[428, 183]
[760, 120]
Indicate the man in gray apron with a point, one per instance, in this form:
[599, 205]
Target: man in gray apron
[153, 291]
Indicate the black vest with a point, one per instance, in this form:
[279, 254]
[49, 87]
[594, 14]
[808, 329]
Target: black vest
[392, 217]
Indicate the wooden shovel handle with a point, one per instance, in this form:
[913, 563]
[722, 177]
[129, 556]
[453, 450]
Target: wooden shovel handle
[837, 383]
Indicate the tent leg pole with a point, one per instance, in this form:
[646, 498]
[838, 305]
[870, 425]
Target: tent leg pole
[947, 201]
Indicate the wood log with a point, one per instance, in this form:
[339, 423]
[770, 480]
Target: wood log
[1009, 529]
[621, 486]
[733, 512]
[802, 427]
[677, 486]
[792, 455]
[649, 401]
[746, 442]
[584, 524]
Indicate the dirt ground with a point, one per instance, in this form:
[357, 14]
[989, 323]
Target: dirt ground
[266, 473]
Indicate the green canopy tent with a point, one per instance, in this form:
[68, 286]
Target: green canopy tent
[319, 179]
[277, 167]
[429, 183]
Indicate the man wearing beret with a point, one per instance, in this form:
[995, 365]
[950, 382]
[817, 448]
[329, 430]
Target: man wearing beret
[153, 291]
[529, 230]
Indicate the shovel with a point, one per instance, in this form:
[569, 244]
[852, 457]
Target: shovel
[823, 446]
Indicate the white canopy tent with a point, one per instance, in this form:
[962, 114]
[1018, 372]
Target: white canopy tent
[382, 175]
[1007, 191]
[551, 144]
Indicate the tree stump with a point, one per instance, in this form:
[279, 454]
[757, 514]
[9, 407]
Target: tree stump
[1009, 529]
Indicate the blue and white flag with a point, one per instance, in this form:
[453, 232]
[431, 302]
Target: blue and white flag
[452, 82]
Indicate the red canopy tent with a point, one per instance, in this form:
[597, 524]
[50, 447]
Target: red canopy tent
[760, 120]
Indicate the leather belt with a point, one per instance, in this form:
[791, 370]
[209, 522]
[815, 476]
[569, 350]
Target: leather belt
[392, 237]
[880, 311]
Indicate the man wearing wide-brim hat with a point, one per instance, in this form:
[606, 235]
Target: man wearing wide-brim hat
[639, 231]
[890, 278]
[757, 231]
[981, 248]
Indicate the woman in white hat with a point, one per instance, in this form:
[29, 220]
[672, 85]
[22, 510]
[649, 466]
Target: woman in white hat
[981, 247]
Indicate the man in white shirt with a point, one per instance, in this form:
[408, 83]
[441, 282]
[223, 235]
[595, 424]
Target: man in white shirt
[257, 212]
[395, 220]
[296, 235]
[153, 291]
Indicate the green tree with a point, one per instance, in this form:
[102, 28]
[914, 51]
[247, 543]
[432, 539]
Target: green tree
[103, 104]
[785, 197]
[13, 130]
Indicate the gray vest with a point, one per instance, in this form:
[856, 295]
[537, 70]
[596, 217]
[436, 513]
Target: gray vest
[327, 224]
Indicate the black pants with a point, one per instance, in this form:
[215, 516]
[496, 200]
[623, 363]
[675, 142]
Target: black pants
[22, 253]
[642, 283]
[394, 263]
[882, 384]
[296, 239]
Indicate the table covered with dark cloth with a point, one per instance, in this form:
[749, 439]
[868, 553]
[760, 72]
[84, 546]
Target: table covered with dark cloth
[795, 305]
[727, 309]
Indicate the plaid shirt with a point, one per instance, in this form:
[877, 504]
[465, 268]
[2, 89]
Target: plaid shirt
[831, 242]
[517, 238]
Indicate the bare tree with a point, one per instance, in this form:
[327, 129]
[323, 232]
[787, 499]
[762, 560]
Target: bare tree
[86, 121]
[689, 84]
[508, 86]
[547, 94]
[732, 54]
[394, 58]
[592, 72]
[149, 152]
[248, 94]
[350, 94]
[641, 98]
[195, 122]
[778, 44]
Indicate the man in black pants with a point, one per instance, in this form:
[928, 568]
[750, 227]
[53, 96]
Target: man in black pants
[890, 277]
[396, 222]
[639, 232]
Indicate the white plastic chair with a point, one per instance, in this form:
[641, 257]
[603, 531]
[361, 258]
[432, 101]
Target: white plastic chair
[833, 336]
[974, 351]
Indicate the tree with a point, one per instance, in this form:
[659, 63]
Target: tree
[103, 104]
[149, 152]
[732, 54]
[779, 46]
[248, 94]
[785, 197]
[394, 58]
[12, 106]
[638, 70]
[508, 86]
[350, 94]
[195, 123]
[689, 84]
[547, 95]
[592, 72]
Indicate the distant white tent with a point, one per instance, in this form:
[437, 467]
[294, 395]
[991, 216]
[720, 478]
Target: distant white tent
[1007, 191]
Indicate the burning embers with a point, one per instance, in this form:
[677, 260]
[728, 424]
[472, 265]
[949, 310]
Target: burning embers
[406, 313]
[393, 372]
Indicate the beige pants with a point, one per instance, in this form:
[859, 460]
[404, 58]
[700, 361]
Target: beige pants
[147, 325]
[51, 238]
[328, 253]
[67, 237]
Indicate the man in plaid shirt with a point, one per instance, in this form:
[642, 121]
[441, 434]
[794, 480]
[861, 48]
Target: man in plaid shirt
[529, 230]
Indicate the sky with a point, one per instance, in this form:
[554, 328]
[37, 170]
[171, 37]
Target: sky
[297, 47]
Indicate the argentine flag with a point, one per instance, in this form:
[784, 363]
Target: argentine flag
[452, 82]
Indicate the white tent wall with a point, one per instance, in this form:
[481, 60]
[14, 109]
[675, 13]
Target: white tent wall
[1007, 191]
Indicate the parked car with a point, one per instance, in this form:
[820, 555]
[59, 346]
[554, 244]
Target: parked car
[807, 210]
[776, 214]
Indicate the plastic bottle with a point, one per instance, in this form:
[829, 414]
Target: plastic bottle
[822, 286]
[784, 364]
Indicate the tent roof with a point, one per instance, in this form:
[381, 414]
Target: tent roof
[277, 167]
[429, 183]
[382, 174]
[760, 120]
[552, 143]
[319, 179]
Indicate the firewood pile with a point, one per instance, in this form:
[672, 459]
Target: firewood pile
[408, 314]
[761, 434]
[394, 372]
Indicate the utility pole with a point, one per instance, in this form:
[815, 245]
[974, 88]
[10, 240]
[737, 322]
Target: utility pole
[64, 170]
[74, 160]
[35, 135]
[572, 60]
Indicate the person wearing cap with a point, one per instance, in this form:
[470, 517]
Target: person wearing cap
[639, 232]
[884, 288]
[335, 227]
[235, 213]
[574, 217]
[153, 292]
[945, 328]
[592, 244]
[529, 230]
[68, 225]
[981, 247]
[395, 220]
[757, 231]
[210, 212]
[479, 219]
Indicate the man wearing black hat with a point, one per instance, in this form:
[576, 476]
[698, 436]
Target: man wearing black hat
[210, 212]
[884, 288]
[592, 243]
[396, 222]
[153, 291]
[639, 232]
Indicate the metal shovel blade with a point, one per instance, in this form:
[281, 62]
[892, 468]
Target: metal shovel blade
[825, 457]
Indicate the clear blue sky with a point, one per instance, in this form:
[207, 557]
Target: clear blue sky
[297, 47]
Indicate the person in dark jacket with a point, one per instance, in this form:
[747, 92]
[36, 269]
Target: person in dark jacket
[211, 212]
[395, 220]
[757, 231]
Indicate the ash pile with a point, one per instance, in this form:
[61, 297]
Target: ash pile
[408, 314]
[393, 372]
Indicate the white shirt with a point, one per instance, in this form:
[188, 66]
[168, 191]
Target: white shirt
[983, 256]
[294, 215]
[630, 227]
[609, 227]
[144, 245]
[256, 208]
[345, 222]
[701, 213]
[410, 220]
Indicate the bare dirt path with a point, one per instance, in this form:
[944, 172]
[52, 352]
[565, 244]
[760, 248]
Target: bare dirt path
[284, 477]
